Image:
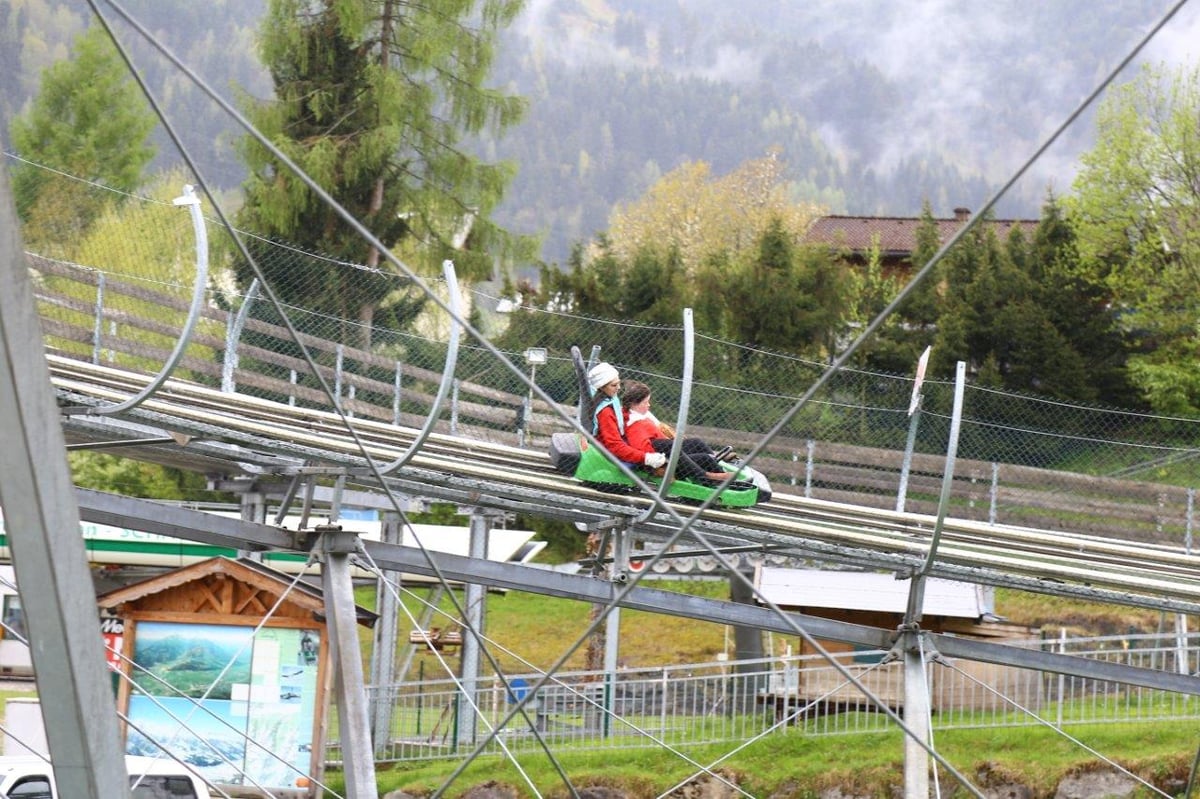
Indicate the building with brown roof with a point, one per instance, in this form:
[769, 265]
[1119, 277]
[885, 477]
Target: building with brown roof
[896, 236]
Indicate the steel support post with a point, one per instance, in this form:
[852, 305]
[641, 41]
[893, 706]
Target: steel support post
[254, 509]
[51, 568]
[612, 621]
[357, 764]
[473, 599]
[916, 716]
[383, 656]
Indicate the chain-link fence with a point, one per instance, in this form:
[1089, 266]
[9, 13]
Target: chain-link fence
[120, 294]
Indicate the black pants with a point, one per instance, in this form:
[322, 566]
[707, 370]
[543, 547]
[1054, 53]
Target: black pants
[695, 456]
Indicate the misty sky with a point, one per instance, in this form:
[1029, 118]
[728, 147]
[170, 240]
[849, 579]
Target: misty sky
[951, 58]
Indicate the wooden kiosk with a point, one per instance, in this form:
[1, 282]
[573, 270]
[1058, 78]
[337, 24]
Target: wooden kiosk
[228, 662]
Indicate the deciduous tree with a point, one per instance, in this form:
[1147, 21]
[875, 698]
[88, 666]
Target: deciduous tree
[1135, 207]
[702, 216]
[89, 121]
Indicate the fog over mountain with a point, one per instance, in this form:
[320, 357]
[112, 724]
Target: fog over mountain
[914, 100]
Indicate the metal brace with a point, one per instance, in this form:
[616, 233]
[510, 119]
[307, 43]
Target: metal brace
[335, 541]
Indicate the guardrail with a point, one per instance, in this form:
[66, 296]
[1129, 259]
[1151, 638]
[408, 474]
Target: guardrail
[96, 317]
[734, 701]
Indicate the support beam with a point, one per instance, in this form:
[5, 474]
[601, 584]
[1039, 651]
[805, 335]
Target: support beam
[349, 689]
[473, 607]
[383, 654]
[49, 559]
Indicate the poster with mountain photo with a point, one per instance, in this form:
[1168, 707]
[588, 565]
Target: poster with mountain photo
[237, 705]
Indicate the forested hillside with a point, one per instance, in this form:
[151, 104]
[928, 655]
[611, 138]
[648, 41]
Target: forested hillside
[875, 105]
[215, 39]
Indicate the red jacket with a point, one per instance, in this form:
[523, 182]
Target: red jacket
[640, 430]
[609, 434]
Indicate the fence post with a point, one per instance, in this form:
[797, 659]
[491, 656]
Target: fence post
[1187, 525]
[808, 470]
[454, 408]
[396, 396]
[994, 493]
[662, 723]
[910, 445]
[1062, 678]
[1162, 504]
[98, 325]
[337, 376]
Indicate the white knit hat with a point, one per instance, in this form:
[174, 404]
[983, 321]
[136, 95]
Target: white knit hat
[601, 375]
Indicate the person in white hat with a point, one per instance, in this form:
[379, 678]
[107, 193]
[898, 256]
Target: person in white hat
[608, 418]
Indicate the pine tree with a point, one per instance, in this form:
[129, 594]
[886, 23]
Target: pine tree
[374, 100]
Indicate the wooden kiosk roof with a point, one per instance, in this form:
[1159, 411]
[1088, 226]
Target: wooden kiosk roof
[225, 586]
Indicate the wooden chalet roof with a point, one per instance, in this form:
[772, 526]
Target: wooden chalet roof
[897, 235]
[261, 586]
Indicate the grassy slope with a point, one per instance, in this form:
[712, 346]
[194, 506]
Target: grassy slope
[537, 629]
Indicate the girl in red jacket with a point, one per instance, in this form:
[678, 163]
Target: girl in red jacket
[645, 434]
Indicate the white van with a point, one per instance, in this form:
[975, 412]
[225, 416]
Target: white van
[32, 777]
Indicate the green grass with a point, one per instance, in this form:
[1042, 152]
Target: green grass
[532, 631]
[792, 765]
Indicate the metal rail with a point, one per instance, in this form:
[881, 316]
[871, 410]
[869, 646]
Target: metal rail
[256, 437]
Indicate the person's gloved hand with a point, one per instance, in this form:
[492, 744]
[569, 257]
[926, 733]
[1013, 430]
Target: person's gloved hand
[655, 459]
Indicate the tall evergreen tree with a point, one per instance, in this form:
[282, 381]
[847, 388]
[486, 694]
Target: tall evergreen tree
[88, 120]
[789, 298]
[1079, 307]
[1000, 318]
[374, 99]
[900, 340]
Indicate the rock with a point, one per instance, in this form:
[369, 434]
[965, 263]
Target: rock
[838, 793]
[1009, 790]
[998, 784]
[602, 792]
[1100, 784]
[492, 790]
[708, 787]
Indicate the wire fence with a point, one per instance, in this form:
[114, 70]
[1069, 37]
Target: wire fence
[122, 297]
[721, 702]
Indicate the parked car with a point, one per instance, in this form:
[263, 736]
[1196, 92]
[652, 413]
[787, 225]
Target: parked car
[32, 777]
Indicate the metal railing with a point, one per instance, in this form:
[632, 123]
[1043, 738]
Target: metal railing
[680, 706]
[853, 456]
